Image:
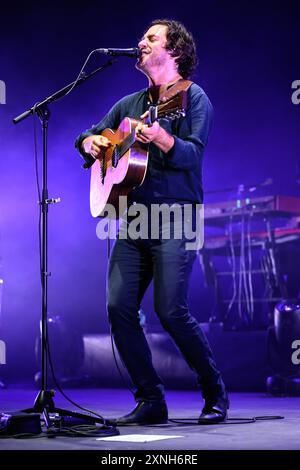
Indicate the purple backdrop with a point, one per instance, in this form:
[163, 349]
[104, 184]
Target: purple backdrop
[248, 60]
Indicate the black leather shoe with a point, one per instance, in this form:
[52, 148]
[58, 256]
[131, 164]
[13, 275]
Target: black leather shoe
[216, 406]
[145, 412]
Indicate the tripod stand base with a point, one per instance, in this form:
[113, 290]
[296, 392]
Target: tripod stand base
[43, 404]
[57, 418]
[44, 400]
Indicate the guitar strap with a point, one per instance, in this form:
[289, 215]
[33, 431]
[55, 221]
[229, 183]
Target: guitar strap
[180, 85]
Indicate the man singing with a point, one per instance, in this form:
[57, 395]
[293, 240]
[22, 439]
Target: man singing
[174, 175]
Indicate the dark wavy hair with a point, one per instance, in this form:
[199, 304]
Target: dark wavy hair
[181, 44]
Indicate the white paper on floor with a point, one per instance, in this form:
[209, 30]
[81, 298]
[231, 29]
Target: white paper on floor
[137, 438]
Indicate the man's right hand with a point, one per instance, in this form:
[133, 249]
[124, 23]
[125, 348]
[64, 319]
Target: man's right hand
[95, 145]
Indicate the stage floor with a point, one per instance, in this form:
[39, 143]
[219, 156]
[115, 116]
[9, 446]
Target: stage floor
[262, 435]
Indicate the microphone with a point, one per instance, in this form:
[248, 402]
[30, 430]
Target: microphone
[132, 52]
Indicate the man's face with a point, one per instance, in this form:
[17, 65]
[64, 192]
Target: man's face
[153, 51]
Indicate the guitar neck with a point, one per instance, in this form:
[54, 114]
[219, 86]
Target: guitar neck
[125, 145]
[172, 109]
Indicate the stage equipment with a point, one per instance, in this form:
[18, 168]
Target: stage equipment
[16, 424]
[283, 344]
[245, 253]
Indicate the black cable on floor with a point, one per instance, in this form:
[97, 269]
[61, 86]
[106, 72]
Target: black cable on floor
[228, 421]
[21, 436]
[78, 431]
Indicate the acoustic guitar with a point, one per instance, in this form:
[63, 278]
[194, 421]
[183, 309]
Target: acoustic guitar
[123, 166]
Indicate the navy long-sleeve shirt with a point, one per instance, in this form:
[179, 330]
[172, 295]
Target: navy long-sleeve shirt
[177, 174]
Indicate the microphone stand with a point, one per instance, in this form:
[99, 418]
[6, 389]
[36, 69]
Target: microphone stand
[44, 403]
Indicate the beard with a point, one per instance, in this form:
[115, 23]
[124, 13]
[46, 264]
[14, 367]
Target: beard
[147, 62]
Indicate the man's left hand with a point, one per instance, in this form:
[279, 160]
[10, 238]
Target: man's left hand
[154, 133]
[147, 133]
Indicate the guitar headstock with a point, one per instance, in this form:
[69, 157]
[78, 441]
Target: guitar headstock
[170, 109]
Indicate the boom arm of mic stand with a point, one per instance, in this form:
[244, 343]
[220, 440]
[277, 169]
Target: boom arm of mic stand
[62, 92]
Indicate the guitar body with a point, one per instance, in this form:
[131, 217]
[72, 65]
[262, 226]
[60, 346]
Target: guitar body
[118, 180]
[123, 166]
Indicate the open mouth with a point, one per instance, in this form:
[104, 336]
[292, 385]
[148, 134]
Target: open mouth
[142, 54]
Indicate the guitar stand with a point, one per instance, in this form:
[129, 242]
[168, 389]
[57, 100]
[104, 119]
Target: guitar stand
[44, 403]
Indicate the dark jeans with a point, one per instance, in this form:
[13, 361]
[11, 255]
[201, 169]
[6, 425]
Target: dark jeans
[132, 266]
